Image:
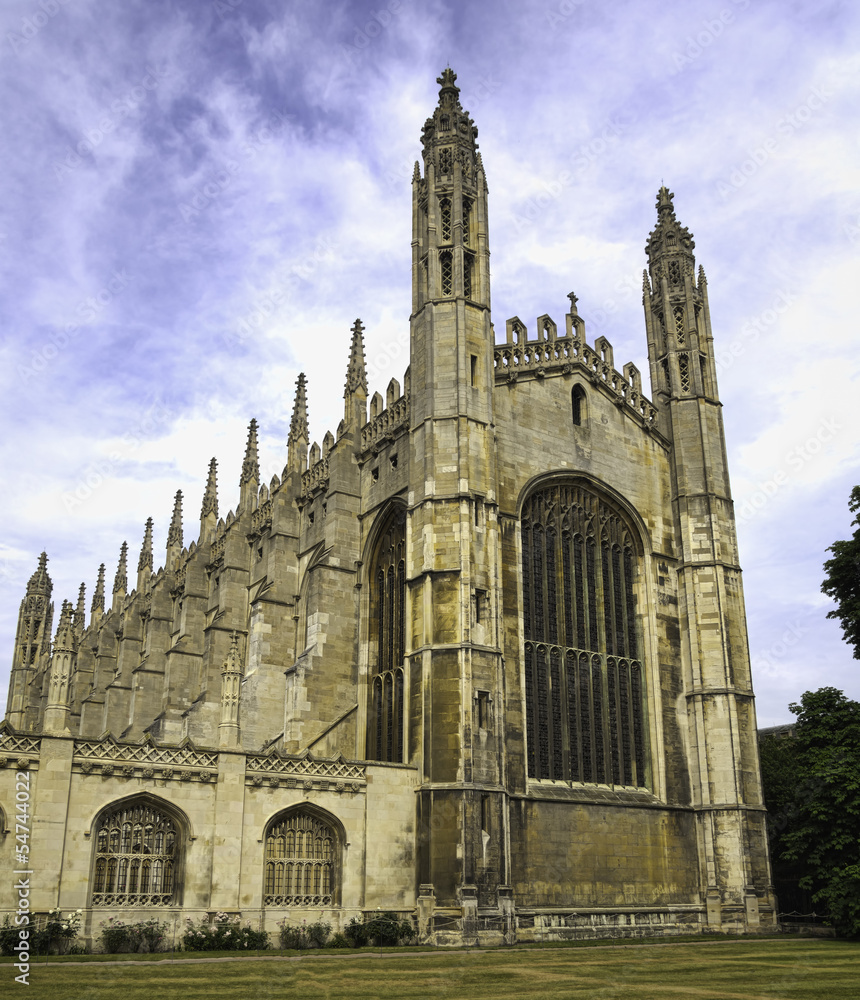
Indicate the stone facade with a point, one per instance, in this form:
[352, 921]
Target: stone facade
[481, 658]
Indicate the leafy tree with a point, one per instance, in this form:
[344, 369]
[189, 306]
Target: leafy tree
[812, 790]
[843, 579]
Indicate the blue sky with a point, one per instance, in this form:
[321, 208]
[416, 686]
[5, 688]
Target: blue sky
[199, 198]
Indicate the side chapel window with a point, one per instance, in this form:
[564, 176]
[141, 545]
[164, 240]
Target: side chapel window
[299, 861]
[388, 645]
[137, 857]
[583, 673]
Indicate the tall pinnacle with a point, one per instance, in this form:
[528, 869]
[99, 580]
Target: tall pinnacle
[299, 421]
[98, 606]
[210, 497]
[297, 440]
[250, 478]
[65, 628]
[356, 375]
[251, 465]
[120, 581]
[145, 561]
[81, 610]
[40, 582]
[174, 535]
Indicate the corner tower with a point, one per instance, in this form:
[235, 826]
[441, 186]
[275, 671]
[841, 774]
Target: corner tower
[721, 725]
[453, 640]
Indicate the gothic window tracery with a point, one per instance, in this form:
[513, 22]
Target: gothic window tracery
[445, 219]
[583, 676]
[468, 270]
[388, 645]
[299, 861]
[679, 323]
[136, 857]
[445, 161]
[674, 272]
[684, 372]
[447, 270]
[467, 209]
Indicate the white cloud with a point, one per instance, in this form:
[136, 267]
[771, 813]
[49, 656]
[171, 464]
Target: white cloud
[296, 129]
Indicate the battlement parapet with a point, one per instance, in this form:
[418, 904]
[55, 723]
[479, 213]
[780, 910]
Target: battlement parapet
[549, 355]
[393, 420]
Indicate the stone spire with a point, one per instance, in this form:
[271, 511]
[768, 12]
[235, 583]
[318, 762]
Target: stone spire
[209, 510]
[450, 246]
[32, 642]
[120, 581]
[174, 535]
[677, 319]
[297, 442]
[249, 481]
[97, 608]
[80, 620]
[62, 667]
[40, 582]
[144, 563]
[355, 391]
[231, 685]
[356, 375]
[65, 635]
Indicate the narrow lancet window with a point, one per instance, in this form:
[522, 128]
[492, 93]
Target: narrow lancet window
[388, 644]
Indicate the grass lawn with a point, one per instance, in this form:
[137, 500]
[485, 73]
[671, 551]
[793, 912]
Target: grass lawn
[771, 969]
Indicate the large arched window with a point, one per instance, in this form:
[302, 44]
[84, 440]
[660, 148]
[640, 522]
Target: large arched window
[137, 856]
[299, 861]
[388, 643]
[583, 675]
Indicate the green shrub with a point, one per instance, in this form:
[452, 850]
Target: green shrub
[9, 936]
[56, 934]
[223, 934]
[339, 941]
[119, 937]
[356, 932]
[387, 928]
[308, 935]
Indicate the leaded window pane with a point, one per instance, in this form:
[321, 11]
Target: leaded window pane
[135, 847]
[388, 645]
[303, 875]
[583, 682]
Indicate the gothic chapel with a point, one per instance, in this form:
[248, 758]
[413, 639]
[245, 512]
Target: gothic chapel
[480, 659]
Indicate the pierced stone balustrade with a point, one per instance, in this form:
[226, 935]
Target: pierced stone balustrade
[542, 357]
[316, 477]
